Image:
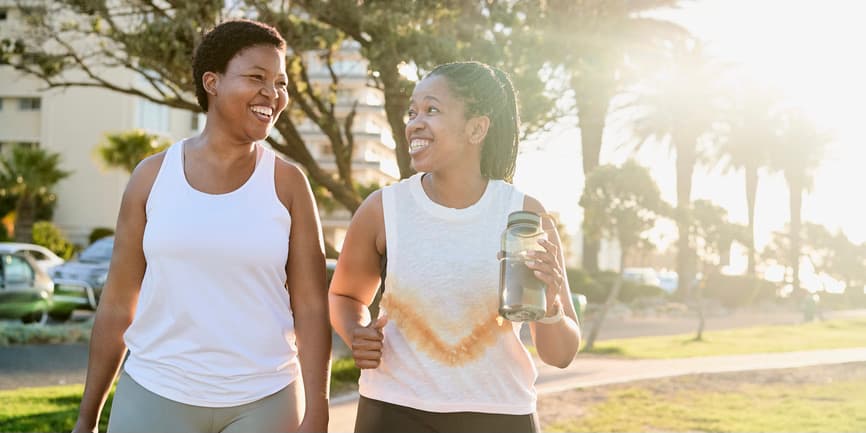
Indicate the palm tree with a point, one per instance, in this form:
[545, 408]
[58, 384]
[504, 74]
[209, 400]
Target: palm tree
[125, 150]
[597, 40]
[799, 153]
[753, 125]
[681, 109]
[28, 173]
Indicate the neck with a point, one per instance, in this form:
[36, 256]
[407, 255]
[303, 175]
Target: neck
[223, 147]
[455, 192]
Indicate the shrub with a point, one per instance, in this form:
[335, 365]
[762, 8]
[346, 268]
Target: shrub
[99, 233]
[49, 236]
[738, 290]
[596, 286]
[19, 333]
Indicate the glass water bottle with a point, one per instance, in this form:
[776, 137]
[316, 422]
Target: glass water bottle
[521, 293]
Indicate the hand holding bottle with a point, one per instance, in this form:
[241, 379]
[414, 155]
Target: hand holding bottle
[367, 343]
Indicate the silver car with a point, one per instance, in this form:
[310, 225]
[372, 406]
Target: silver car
[26, 291]
[78, 282]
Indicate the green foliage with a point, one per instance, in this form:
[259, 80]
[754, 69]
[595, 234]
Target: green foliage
[49, 236]
[29, 174]
[99, 233]
[621, 203]
[734, 291]
[713, 233]
[155, 41]
[344, 375]
[597, 285]
[124, 150]
[30, 171]
[13, 333]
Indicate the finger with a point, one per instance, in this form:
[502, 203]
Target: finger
[545, 257]
[550, 247]
[380, 322]
[367, 334]
[366, 364]
[546, 278]
[367, 345]
[367, 355]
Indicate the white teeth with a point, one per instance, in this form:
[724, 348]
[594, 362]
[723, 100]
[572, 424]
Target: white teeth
[418, 144]
[264, 111]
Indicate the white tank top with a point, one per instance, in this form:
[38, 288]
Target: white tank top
[214, 326]
[445, 348]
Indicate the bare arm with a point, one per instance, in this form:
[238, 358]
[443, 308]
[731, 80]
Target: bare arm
[119, 296]
[355, 282]
[557, 343]
[307, 284]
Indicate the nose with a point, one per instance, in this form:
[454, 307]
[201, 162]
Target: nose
[414, 124]
[270, 90]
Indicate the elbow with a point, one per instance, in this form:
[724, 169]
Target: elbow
[561, 362]
[561, 358]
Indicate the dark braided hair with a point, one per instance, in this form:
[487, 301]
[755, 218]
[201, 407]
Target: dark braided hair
[487, 91]
[224, 42]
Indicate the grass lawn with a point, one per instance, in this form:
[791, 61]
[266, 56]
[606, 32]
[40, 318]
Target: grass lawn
[55, 408]
[811, 399]
[834, 334]
[44, 409]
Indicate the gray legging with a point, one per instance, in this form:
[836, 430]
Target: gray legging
[135, 409]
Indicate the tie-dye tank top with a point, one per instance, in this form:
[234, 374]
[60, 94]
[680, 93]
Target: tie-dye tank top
[446, 349]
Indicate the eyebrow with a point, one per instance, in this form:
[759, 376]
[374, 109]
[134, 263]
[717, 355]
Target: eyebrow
[428, 97]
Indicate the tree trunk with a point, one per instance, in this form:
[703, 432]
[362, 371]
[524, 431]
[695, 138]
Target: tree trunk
[592, 113]
[396, 103]
[699, 307]
[611, 299]
[751, 198]
[24, 214]
[685, 162]
[796, 202]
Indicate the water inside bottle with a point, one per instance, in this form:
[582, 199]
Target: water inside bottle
[523, 294]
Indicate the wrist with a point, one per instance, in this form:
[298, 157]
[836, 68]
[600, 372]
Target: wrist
[555, 317]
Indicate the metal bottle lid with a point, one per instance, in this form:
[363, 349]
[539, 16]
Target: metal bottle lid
[524, 217]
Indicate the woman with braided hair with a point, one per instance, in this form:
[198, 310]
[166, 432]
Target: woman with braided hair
[439, 357]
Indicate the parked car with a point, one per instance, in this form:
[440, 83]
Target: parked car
[26, 291]
[45, 258]
[645, 276]
[78, 282]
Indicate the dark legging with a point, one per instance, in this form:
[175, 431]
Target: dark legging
[376, 416]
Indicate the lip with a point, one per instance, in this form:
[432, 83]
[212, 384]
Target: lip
[262, 117]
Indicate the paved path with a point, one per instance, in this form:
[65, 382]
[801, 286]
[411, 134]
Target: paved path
[588, 371]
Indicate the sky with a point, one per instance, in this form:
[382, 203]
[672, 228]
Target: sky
[812, 51]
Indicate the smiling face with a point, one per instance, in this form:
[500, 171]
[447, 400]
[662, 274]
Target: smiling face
[251, 94]
[438, 132]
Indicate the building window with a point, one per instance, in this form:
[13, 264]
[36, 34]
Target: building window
[3, 14]
[1, 104]
[29, 104]
[7, 146]
[153, 117]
